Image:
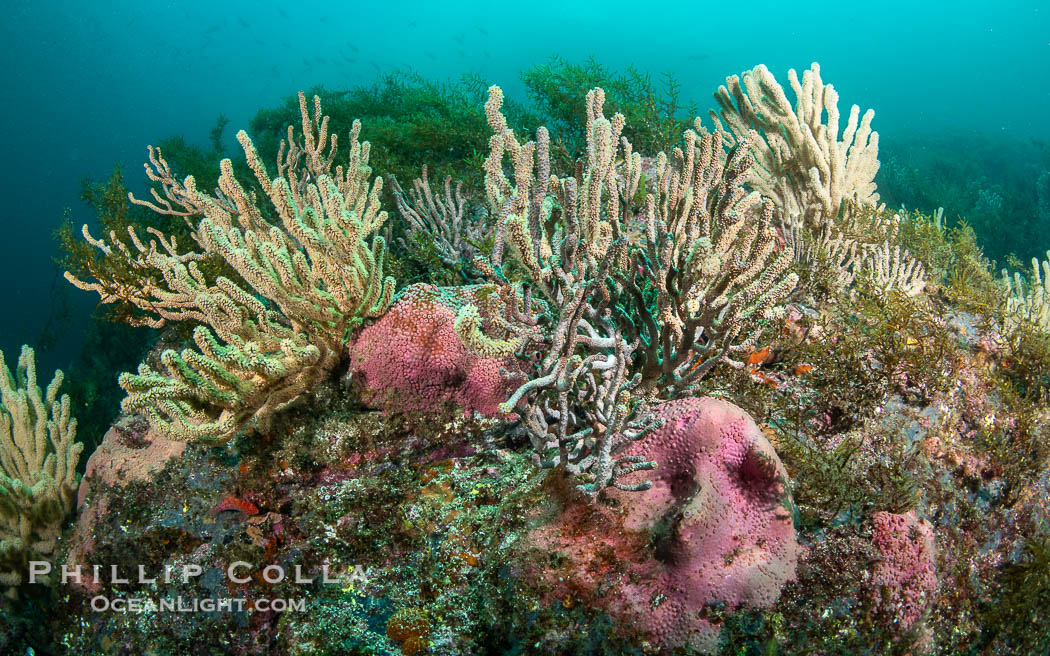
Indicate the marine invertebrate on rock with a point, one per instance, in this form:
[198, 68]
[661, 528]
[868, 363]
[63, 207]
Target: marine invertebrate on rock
[209, 394]
[826, 251]
[129, 453]
[580, 408]
[1028, 300]
[412, 360]
[410, 627]
[714, 533]
[440, 217]
[309, 272]
[845, 250]
[710, 273]
[891, 268]
[38, 462]
[615, 322]
[802, 163]
[905, 579]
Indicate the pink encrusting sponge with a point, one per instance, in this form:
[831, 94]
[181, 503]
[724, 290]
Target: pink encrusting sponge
[905, 578]
[714, 533]
[411, 359]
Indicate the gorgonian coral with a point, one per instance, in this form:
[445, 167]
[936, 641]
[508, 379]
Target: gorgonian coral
[803, 163]
[308, 272]
[38, 463]
[1028, 299]
[621, 298]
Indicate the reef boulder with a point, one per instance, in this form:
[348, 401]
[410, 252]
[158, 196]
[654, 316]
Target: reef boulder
[129, 453]
[713, 534]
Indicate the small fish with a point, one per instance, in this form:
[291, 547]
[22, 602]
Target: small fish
[803, 369]
[758, 357]
[233, 503]
[763, 379]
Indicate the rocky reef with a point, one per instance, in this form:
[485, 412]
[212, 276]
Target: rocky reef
[715, 399]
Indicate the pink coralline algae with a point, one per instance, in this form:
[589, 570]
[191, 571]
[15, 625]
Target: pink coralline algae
[905, 578]
[412, 360]
[714, 533]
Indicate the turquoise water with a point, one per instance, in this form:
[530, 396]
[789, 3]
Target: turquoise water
[88, 85]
